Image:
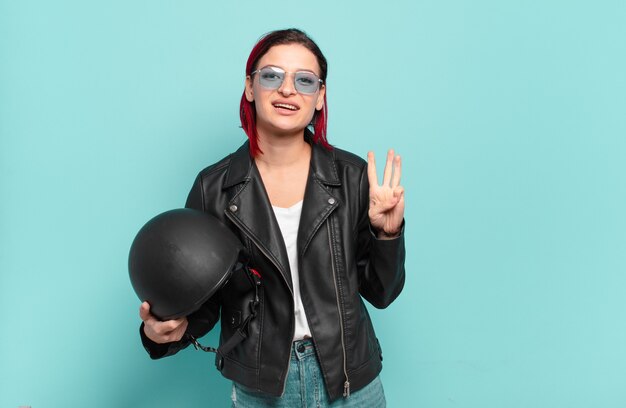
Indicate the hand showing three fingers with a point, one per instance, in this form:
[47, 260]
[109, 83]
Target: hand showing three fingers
[386, 210]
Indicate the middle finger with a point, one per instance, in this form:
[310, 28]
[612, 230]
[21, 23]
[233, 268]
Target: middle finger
[388, 169]
[397, 172]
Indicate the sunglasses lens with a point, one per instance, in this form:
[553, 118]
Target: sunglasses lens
[271, 77]
[306, 82]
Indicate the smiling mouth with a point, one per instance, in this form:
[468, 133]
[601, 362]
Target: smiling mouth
[286, 106]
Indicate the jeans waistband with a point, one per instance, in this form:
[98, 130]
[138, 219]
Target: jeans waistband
[301, 349]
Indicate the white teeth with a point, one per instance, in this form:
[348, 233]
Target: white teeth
[286, 106]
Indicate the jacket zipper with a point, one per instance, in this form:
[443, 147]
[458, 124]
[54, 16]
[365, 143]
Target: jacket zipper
[236, 222]
[346, 384]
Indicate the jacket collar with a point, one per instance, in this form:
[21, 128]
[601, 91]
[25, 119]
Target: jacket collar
[323, 164]
[251, 211]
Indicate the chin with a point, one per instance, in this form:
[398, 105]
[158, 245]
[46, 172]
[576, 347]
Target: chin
[282, 128]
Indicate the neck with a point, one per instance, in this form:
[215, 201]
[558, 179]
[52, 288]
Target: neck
[282, 150]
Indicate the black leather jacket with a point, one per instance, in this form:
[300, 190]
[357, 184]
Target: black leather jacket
[340, 260]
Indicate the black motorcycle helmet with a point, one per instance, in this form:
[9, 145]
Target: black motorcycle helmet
[179, 259]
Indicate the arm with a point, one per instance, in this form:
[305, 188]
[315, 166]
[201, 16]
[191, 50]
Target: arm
[381, 251]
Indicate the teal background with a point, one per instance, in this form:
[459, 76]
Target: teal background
[510, 117]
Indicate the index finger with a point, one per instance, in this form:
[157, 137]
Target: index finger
[371, 169]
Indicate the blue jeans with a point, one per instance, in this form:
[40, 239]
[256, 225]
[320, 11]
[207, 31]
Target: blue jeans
[305, 387]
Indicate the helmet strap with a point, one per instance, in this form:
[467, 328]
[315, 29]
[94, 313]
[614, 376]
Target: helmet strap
[241, 333]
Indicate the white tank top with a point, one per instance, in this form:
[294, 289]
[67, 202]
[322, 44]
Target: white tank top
[289, 220]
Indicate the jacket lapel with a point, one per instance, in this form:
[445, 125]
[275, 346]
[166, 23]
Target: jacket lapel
[318, 201]
[251, 211]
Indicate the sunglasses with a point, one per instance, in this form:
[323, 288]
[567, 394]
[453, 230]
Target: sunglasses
[272, 77]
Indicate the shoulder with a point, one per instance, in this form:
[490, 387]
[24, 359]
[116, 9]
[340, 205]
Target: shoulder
[336, 166]
[230, 169]
[346, 158]
[336, 157]
[216, 168]
[210, 191]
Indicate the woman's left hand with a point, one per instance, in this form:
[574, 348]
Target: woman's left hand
[386, 210]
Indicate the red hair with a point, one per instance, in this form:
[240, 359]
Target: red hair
[247, 111]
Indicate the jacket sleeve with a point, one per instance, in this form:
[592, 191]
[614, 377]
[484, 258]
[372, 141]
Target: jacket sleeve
[202, 320]
[200, 323]
[380, 262]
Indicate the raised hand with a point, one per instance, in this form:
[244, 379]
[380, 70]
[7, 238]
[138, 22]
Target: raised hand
[386, 210]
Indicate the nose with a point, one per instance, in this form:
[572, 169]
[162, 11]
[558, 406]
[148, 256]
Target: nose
[287, 87]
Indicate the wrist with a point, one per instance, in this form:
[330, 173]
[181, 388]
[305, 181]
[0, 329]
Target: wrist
[382, 234]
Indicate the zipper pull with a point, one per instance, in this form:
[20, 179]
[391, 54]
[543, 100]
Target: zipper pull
[346, 389]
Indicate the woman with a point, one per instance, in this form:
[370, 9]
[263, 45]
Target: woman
[318, 229]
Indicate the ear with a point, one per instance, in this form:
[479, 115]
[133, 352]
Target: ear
[320, 98]
[249, 90]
